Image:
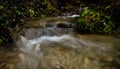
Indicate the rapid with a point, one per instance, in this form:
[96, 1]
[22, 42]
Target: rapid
[51, 43]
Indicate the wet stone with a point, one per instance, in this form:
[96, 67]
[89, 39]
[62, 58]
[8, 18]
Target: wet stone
[2, 64]
[10, 66]
[66, 25]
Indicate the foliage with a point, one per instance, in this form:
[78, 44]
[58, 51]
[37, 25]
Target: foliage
[92, 21]
[109, 7]
[14, 12]
[113, 9]
[1, 41]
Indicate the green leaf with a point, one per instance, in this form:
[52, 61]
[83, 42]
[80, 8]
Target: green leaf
[87, 11]
[1, 7]
[1, 40]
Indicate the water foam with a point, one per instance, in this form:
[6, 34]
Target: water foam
[61, 39]
[31, 53]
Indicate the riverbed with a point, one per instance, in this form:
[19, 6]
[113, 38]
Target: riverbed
[51, 43]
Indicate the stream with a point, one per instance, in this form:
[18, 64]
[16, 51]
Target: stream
[51, 43]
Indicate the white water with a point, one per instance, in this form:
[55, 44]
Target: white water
[85, 54]
[31, 53]
[69, 16]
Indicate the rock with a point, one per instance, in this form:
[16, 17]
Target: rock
[10, 66]
[50, 25]
[2, 64]
[106, 58]
[117, 36]
[66, 25]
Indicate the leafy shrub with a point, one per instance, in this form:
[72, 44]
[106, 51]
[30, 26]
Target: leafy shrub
[92, 21]
[14, 12]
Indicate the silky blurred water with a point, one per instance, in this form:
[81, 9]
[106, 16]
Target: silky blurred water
[52, 47]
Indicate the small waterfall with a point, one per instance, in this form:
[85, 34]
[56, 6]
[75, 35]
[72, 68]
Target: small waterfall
[31, 54]
[52, 47]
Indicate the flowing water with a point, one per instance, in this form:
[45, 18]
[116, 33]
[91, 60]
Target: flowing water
[51, 43]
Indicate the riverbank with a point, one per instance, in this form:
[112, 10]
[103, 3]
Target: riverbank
[14, 13]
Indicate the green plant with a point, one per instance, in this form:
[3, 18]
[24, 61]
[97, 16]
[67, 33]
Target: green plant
[13, 13]
[1, 41]
[92, 21]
